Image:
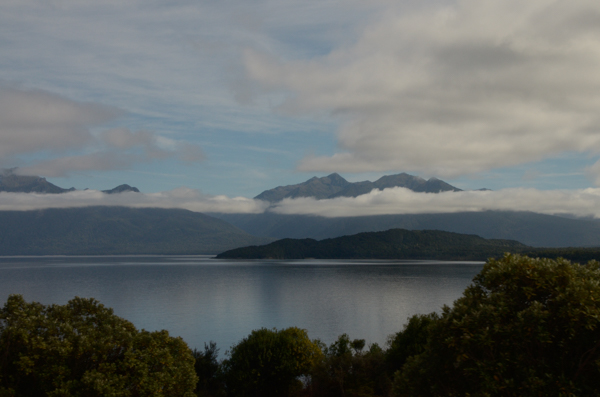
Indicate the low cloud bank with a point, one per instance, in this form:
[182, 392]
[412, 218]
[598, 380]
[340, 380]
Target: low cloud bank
[182, 198]
[583, 203]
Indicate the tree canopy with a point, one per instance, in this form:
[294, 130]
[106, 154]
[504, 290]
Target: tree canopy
[84, 349]
[527, 327]
[268, 362]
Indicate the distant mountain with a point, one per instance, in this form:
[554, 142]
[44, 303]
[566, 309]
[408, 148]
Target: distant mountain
[319, 188]
[390, 244]
[121, 189]
[14, 183]
[334, 185]
[117, 230]
[11, 182]
[533, 229]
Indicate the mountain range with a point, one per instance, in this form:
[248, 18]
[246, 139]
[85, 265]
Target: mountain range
[127, 230]
[14, 183]
[334, 185]
[117, 230]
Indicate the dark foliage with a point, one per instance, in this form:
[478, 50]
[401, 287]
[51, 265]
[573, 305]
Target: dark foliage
[268, 363]
[208, 369]
[83, 349]
[347, 370]
[409, 342]
[525, 327]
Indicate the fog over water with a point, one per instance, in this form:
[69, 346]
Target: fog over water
[202, 299]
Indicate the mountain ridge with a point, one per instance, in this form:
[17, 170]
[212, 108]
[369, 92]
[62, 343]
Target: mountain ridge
[117, 231]
[333, 185]
[14, 183]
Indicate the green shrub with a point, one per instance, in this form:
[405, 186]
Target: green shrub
[269, 362]
[346, 370]
[83, 349]
[525, 327]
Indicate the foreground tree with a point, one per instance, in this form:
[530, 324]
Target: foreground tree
[346, 370]
[269, 362]
[209, 372]
[83, 349]
[525, 327]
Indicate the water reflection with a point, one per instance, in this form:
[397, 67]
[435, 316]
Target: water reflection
[203, 299]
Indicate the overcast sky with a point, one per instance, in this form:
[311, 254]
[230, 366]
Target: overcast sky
[204, 103]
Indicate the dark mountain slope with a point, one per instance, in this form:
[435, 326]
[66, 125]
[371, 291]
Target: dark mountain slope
[530, 228]
[318, 188]
[391, 244]
[10, 182]
[117, 230]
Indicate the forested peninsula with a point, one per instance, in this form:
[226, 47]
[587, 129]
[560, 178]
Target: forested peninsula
[403, 244]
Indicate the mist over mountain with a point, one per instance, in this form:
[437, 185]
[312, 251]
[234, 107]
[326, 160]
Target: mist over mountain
[117, 230]
[334, 185]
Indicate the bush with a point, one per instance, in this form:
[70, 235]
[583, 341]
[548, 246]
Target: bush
[347, 370]
[525, 327]
[83, 349]
[269, 362]
[408, 342]
[208, 370]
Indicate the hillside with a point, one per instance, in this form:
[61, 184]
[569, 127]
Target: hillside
[533, 229]
[117, 230]
[391, 244]
[335, 186]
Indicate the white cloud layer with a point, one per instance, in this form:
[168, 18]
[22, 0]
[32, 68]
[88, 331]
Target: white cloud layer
[182, 198]
[583, 203]
[453, 89]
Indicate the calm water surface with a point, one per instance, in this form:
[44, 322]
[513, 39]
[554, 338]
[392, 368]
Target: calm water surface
[202, 299]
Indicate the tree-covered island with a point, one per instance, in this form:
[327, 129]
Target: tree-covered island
[403, 244]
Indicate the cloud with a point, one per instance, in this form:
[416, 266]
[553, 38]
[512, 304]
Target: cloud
[594, 172]
[34, 120]
[584, 203]
[63, 166]
[46, 125]
[454, 89]
[182, 198]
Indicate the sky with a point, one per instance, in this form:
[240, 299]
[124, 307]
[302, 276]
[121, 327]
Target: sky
[204, 104]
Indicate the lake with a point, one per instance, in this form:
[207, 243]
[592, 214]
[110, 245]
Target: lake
[201, 298]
